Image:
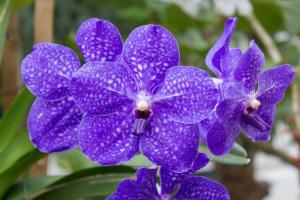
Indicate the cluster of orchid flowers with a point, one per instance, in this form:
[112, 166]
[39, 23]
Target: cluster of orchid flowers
[136, 97]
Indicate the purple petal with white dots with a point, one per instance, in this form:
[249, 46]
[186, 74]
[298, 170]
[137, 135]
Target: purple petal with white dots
[168, 143]
[102, 88]
[249, 67]
[53, 125]
[98, 40]
[46, 71]
[188, 94]
[273, 83]
[146, 180]
[108, 140]
[218, 51]
[258, 125]
[169, 179]
[129, 190]
[201, 188]
[229, 63]
[149, 51]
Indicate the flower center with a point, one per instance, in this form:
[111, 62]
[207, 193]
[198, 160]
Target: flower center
[142, 105]
[142, 112]
[142, 109]
[251, 106]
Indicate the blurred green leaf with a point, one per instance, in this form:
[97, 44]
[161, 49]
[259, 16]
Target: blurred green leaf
[291, 12]
[237, 156]
[22, 190]
[102, 185]
[138, 161]
[5, 10]
[14, 117]
[21, 3]
[8, 177]
[73, 160]
[20, 146]
[35, 186]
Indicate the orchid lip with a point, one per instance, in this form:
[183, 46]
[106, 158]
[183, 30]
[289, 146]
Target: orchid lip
[251, 106]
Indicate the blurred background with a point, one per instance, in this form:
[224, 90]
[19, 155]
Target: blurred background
[273, 173]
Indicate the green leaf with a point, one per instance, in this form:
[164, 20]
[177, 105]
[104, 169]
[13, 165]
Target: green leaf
[8, 177]
[291, 12]
[14, 117]
[12, 154]
[237, 156]
[102, 185]
[138, 161]
[23, 190]
[5, 10]
[32, 187]
[21, 3]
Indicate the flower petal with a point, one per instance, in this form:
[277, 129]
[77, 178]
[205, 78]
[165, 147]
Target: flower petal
[195, 188]
[47, 69]
[273, 83]
[249, 67]
[188, 93]
[129, 190]
[98, 40]
[146, 180]
[149, 51]
[170, 144]
[101, 88]
[218, 51]
[108, 140]
[258, 126]
[144, 188]
[229, 63]
[53, 125]
[169, 179]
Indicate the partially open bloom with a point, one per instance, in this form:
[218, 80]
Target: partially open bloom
[143, 102]
[54, 118]
[173, 186]
[248, 96]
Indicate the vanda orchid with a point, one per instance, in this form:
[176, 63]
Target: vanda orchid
[248, 96]
[136, 97]
[143, 102]
[173, 186]
[54, 118]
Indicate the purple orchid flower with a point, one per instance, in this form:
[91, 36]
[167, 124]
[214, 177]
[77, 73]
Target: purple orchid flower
[174, 186]
[242, 105]
[143, 102]
[54, 118]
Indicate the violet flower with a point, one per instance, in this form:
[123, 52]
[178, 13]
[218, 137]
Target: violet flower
[173, 186]
[242, 105]
[54, 118]
[144, 102]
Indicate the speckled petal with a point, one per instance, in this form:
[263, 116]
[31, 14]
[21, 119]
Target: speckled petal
[149, 51]
[98, 40]
[169, 179]
[188, 94]
[108, 140]
[229, 63]
[201, 188]
[273, 83]
[129, 190]
[218, 51]
[46, 71]
[53, 125]
[249, 67]
[146, 180]
[102, 88]
[258, 125]
[170, 144]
